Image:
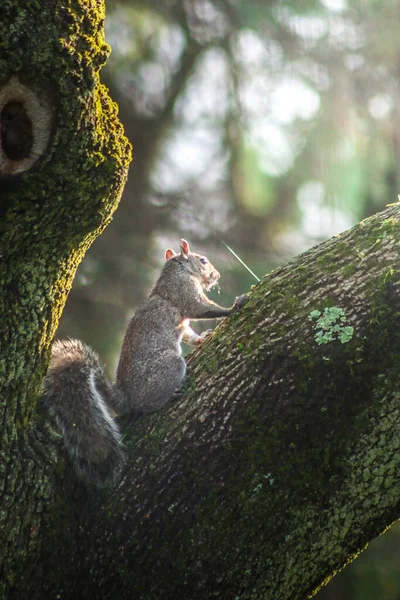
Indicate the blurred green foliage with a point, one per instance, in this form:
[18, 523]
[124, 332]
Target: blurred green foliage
[271, 125]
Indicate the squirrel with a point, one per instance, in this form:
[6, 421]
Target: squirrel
[150, 373]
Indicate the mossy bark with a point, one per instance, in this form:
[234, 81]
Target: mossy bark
[278, 465]
[280, 462]
[63, 164]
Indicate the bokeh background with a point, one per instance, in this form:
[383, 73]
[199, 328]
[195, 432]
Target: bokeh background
[269, 125]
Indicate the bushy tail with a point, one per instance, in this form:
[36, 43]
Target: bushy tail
[77, 394]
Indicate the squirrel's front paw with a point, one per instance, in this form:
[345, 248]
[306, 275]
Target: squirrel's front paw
[240, 301]
[203, 336]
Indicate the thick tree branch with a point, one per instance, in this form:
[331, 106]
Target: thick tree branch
[281, 461]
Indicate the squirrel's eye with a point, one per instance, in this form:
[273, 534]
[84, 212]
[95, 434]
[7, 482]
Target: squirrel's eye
[203, 260]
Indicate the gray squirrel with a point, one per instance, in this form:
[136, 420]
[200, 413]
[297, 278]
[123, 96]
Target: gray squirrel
[150, 372]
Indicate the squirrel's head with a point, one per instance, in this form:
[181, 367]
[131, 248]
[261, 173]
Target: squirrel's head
[198, 265]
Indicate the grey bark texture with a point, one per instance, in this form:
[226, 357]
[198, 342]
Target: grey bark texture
[280, 462]
[63, 163]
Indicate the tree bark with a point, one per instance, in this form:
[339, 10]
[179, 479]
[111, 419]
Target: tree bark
[281, 460]
[63, 164]
[279, 463]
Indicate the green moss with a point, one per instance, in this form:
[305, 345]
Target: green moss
[326, 263]
[349, 270]
[49, 217]
[390, 225]
[330, 325]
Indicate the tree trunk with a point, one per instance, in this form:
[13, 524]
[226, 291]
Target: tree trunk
[63, 164]
[280, 462]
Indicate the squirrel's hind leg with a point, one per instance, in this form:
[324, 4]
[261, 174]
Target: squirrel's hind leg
[170, 370]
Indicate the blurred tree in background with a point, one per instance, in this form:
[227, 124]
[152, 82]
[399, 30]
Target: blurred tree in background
[269, 124]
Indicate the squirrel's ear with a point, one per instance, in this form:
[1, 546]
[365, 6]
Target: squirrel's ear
[185, 250]
[169, 253]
